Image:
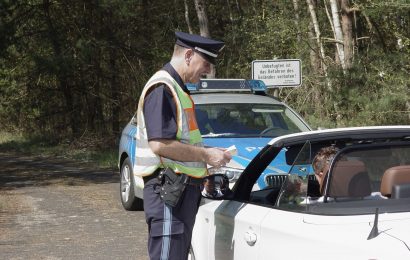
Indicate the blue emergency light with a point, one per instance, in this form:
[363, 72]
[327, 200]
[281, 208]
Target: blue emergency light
[227, 85]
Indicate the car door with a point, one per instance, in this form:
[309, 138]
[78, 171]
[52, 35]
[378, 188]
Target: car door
[230, 230]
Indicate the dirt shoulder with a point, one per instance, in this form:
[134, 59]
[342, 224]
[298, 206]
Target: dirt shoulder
[58, 209]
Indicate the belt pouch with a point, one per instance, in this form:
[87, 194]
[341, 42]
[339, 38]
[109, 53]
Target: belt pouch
[172, 186]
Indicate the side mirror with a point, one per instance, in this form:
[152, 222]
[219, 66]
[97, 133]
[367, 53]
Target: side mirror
[215, 186]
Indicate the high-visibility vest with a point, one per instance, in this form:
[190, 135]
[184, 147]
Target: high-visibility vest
[146, 161]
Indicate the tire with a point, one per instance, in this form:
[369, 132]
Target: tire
[128, 199]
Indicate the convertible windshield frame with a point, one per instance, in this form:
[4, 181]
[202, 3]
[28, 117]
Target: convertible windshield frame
[300, 193]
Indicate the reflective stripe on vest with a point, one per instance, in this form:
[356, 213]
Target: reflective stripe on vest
[146, 161]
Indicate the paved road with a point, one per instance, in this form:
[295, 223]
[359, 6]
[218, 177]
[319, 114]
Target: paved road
[54, 209]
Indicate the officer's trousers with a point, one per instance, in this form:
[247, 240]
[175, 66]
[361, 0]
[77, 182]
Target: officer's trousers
[170, 229]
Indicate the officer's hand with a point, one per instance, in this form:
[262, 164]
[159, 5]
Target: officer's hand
[217, 157]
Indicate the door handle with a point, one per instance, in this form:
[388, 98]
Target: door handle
[250, 238]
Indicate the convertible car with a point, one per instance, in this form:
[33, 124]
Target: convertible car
[362, 212]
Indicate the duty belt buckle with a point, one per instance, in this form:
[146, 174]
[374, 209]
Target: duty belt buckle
[185, 178]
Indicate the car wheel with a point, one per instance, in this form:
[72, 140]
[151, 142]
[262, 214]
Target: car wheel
[128, 199]
[191, 255]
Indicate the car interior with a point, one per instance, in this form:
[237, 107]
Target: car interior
[349, 179]
[361, 176]
[395, 182]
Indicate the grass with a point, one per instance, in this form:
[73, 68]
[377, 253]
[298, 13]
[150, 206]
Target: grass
[85, 150]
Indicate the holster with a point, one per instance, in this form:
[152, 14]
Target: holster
[172, 186]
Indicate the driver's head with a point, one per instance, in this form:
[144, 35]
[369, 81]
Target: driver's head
[321, 164]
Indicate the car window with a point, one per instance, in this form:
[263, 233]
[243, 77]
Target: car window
[247, 120]
[287, 191]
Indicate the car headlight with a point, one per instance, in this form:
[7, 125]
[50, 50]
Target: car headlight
[232, 173]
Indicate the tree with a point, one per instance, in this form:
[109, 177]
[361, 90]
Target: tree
[312, 11]
[72, 69]
[203, 26]
[347, 27]
[187, 20]
[337, 29]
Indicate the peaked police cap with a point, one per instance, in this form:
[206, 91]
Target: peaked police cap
[207, 47]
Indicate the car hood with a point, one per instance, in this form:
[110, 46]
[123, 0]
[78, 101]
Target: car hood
[247, 148]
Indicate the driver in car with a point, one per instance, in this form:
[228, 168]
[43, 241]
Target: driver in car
[321, 163]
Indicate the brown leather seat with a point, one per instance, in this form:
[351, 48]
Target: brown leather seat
[394, 176]
[349, 179]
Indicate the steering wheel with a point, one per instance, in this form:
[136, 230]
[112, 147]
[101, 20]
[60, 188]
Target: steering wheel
[269, 129]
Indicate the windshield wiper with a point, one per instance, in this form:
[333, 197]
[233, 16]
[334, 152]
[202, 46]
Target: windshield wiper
[219, 135]
[236, 135]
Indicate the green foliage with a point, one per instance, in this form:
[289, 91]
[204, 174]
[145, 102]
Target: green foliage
[70, 69]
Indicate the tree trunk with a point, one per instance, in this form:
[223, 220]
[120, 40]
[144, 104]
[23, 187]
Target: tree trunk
[312, 10]
[239, 8]
[297, 19]
[337, 29]
[313, 50]
[202, 18]
[97, 92]
[315, 23]
[61, 73]
[203, 27]
[115, 93]
[347, 26]
[188, 22]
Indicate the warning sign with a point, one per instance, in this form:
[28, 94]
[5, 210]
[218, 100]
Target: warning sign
[278, 73]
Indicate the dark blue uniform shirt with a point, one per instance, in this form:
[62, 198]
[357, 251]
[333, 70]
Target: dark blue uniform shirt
[160, 110]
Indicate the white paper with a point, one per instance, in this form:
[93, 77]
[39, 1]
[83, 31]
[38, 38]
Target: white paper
[232, 150]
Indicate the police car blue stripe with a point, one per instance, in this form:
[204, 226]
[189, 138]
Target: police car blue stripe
[133, 145]
[166, 229]
[129, 144]
[242, 160]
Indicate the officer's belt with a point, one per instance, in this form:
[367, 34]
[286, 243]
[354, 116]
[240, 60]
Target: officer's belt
[193, 181]
[154, 175]
[190, 180]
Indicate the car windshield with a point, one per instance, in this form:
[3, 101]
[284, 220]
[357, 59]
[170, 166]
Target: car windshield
[247, 120]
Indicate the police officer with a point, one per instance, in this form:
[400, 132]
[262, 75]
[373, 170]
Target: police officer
[168, 137]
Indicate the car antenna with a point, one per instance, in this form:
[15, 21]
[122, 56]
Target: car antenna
[375, 230]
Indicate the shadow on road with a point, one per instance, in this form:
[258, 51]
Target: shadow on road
[21, 171]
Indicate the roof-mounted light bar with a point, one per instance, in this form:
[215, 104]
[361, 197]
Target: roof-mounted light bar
[227, 85]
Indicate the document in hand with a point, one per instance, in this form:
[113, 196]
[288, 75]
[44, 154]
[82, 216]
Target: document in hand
[232, 150]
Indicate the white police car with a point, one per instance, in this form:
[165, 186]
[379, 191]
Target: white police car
[229, 112]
